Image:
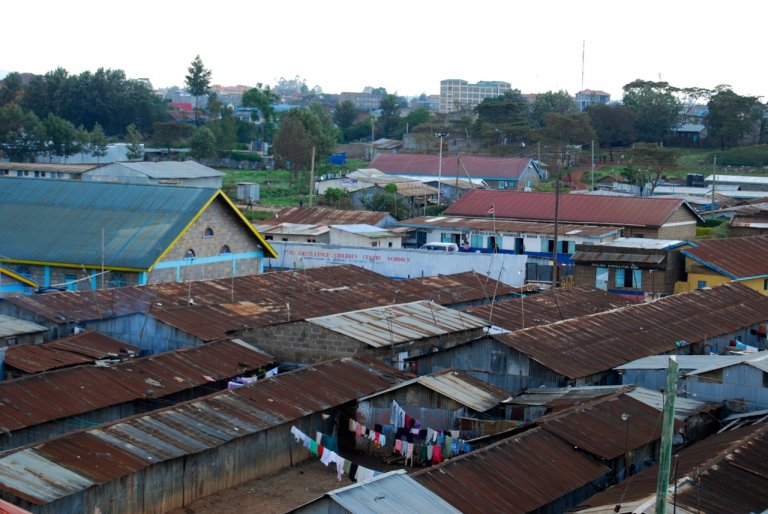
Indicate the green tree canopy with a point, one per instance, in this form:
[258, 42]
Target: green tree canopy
[263, 98]
[22, 134]
[561, 134]
[647, 162]
[133, 137]
[614, 124]
[389, 120]
[731, 116]
[317, 130]
[656, 108]
[345, 116]
[504, 120]
[198, 81]
[167, 134]
[62, 137]
[203, 144]
[11, 88]
[560, 102]
[98, 142]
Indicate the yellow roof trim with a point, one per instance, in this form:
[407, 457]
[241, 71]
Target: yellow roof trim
[20, 278]
[219, 193]
[96, 267]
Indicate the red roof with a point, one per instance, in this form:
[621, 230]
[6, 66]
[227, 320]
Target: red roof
[530, 206]
[429, 165]
[736, 257]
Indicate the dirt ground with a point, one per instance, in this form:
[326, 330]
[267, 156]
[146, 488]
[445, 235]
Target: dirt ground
[282, 491]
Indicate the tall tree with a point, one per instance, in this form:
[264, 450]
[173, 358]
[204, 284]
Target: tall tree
[203, 144]
[292, 145]
[390, 115]
[167, 134]
[22, 134]
[133, 137]
[263, 98]
[614, 124]
[198, 82]
[656, 108]
[648, 162]
[559, 102]
[731, 117]
[98, 142]
[11, 88]
[61, 137]
[504, 120]
[344, 116]
[317, 130]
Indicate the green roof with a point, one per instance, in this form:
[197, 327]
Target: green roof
[63, 221]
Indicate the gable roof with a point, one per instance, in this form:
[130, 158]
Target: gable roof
[429, 165]
[581, 347]
[738, 258]
[593, 209]
[75, 223]
[323, 216]
[169, 169]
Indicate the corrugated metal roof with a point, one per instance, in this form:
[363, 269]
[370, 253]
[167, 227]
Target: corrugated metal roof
[592, 344]
[723, 473]
[390, 325]
[548, 307]
[390, 492]
[602, 210]
[689, 363]
[10, 326]
[68, 351]
[517, 475]
[460, 387]
[737, 179]
[684, 407]
[363, 229]
[642, 242]
[51, 470]
[325, 216]
[37, 166]
[558, 397]
[506, 226]
[734, 257]
[429, 165]
[639, 258]
[598, 427]
[169, 169]
[290, 229]
[85, 388]
[94, 223]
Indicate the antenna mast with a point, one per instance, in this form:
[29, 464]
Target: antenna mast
[583, 50]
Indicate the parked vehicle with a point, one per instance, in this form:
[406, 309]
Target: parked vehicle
[441, 247]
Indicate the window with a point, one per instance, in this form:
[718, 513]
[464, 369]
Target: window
[311, 240]
[390, 244]
[208, 232]
[225, 250]
[375, 244]
[71, 282]
[637, 278]
[24, 271]
[619, 278]
[765, 284]
[14, 340]
[117, 279]
[601, 278]
[268, 238]
[190, 254]
[498, 362]
[701, 284]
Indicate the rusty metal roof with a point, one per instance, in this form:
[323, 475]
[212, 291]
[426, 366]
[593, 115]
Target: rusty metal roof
[278, 287]
[326, 216]
[10, 326]
[85, 388]
[734, 257]
[75, 461]
[507, 226]
[597, 426]
[591, 344]
[517, 475]
[400, 323]
[548, 307]
[68, 351]
[589, 209]
[627, 257]
[458, 386]
[732, 467]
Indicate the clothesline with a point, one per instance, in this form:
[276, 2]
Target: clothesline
[355, 472]
[241, 381]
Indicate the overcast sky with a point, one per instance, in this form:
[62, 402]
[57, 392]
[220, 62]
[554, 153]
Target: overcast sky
[408, 47]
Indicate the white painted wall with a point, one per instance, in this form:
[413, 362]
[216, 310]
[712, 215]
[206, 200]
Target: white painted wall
[400, 263]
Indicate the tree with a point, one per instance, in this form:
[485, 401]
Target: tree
[198, 82]
[648, 162]
[203, 144]
[731, 117]
[559, 102]
[225, 132]
[11, 88]
[22, 134]
[614, 124]
[390, 115]
[133, 138]
[262, 98]
[316, 130]
[504, 120]
[656, 108]
[388, 201]
[98, 142]
[167, 134]
[336, 197]
[344, 116]
[61, 137]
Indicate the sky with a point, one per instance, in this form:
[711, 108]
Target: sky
[407, 47]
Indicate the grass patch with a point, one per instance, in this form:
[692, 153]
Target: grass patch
[712, 228]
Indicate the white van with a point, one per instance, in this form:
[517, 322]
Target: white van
[441, 247]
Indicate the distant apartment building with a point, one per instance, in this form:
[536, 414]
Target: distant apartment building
[457, 95]
[588, 97]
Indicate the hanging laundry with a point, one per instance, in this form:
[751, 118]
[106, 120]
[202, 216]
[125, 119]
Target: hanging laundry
[436, 455]
[271, 373]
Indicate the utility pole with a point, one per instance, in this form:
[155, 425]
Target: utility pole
[312, 177]
[714, 185]
[667, 433]
[441, 136]
[593, 165]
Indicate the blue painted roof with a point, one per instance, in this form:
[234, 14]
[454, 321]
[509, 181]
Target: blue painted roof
[62, 221]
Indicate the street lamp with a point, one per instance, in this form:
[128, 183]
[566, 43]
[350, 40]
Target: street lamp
[625, 418]
[441, 136]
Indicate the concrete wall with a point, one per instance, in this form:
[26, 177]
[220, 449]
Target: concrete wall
[402, 263]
